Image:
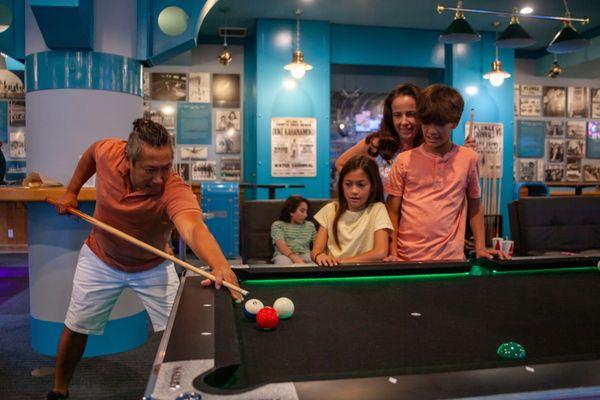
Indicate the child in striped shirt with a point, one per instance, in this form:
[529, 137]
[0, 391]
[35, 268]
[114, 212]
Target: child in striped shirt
[291, 234]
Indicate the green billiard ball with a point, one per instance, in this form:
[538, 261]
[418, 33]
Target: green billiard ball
[511, 351]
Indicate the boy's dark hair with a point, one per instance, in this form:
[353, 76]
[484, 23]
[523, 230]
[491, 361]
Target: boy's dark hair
[149, 133]
[290, 206]
[439, 105]
[369, 167]
[389, 141]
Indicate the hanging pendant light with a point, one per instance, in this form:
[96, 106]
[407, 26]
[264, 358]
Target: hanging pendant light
[567, 39]
[298, 67]
[459, 31]
[496, 76]
[514, 36]
[225, 57]
[555, 70]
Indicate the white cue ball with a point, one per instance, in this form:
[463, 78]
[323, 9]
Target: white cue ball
[284, 307]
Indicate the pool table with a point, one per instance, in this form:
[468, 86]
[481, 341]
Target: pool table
[390, 331]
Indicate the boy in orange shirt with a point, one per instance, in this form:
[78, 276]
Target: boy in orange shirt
[434, 187]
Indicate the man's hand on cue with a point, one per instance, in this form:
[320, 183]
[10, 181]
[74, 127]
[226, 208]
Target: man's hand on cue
[68, 199]
[225, 273]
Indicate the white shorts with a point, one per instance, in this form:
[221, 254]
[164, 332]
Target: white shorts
[96, 288]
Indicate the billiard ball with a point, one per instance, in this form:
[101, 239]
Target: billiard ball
[284, 307]
[511, 351]
[251, 308]
[267, 318]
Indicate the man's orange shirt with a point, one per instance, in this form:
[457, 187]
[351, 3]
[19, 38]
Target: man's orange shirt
[144, 216]
[434, 193]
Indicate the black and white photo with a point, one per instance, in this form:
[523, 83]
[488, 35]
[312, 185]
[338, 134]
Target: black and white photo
[199, 87]
[16, 112]
[527, 170]
[573, 169]
[230, 168]
[555, 129]
[226, 90]
[146, 84]
[578, 102]
[595, 103]
[575, 148]
[591, 172]
[554, 172]
[163, 114]
[531, 107]
[228, 142]
[556, 151]
[204, 171]
[17, 144]
[168, 86]
[554, 101]
[183, 169]
[576, 129]
[227, 119]
[193, 152]
[531, 90]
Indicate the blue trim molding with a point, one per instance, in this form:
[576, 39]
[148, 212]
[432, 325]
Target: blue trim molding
[117, 336]
[83, 70]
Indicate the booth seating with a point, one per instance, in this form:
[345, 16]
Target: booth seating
[554, 225]
[257, 216]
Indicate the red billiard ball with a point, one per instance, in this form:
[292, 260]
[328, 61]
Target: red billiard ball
[267, 318]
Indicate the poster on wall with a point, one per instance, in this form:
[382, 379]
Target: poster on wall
[578, 102]
[576, 129]
[17, 144]
[11, 87]
[575, 148]
[194, 123]
[554, 173]
[489, 138]
[555, 101]
[227, 119]
[531, 107]
[573, 169]
[168, 86]
[556, 151]
[228, 142]
[530, 139]
[593, 140]
[204, 171]
[531, 90]
[226, 90]
[199, 87]
[595, 103]
[294, 147]
[527, 170]
[193, 152]
[3, 122]
[555, 129]
[230, 168]
[16, 113]
[591, 172]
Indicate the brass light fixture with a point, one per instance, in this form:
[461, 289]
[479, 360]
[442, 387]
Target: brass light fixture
[225, 57]
[566, 40]
[496, 76]
[298, 67]
[555, 70]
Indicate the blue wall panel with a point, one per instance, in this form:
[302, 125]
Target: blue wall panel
[310, 98]
[249, 136]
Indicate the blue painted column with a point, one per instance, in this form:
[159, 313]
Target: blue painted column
[465, 66]
[273, 96]
[75, 98]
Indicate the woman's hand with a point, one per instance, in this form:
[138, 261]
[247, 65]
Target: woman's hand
[323, 259]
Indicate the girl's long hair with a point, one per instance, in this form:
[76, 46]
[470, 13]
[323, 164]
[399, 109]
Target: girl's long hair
[369, 167]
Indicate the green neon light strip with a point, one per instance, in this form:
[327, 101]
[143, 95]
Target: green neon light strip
[546, 271]
[355, 279]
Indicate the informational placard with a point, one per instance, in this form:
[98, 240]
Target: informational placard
[294, 147]
[530, 139]
[489, 137]
[194, 123]
[593, 140]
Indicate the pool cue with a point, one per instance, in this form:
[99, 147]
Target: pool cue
[148, 247]
[493, 210]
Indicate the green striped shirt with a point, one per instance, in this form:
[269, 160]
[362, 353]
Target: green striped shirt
[298, 237]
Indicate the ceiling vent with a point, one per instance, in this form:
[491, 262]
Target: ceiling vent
[232, 32]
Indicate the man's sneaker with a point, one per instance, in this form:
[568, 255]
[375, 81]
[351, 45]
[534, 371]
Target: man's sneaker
[56, 396]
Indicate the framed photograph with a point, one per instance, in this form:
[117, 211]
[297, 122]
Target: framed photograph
[527, 170]
[226, 90]
[555, 101]
[531, 90]
[554, 172]
[163, 114]
[556, 151]
[531, 107]
[16, 113]
[204, 171]
[576, 129]
[146, 84]
[227, 119]
[199, 87]
[168, 86]
[230, 168]
[193, 152]
[578, 102]
[555, 129]
[183, 169]
[17, 144]
[575, 148]
[595, 103]
[592, 146]
[228, 142]
[573, 169]
[591, 172]
[517, 96]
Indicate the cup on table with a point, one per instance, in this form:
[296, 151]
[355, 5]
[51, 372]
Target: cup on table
[497, 243]
[508, 247]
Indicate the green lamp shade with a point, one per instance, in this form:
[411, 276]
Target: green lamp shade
[514, 37]
[459, 31]
[567, 40]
